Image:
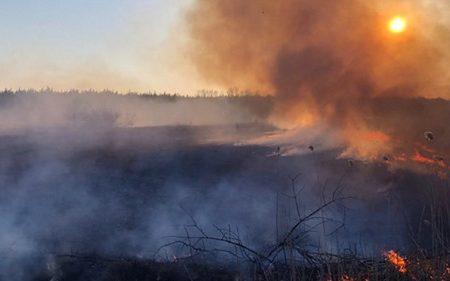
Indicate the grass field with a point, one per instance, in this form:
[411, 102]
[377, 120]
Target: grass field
[83, 201]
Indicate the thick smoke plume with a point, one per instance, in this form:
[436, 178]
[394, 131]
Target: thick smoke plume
[333, 62]
[103, 174]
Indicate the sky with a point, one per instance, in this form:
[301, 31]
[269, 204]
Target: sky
[123, 45]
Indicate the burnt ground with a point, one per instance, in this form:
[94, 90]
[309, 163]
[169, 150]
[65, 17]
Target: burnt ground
[92, 268]
[123, 192]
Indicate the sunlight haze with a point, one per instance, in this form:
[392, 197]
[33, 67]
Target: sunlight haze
[101, 44]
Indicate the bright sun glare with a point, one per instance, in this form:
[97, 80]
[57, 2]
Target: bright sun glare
[397, 25]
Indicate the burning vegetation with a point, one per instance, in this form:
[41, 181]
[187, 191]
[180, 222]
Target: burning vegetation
[396, 260]
[343, 155]
[358, 67]
[302, 212]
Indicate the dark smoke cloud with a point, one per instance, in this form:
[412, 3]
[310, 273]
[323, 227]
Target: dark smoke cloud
[324, 50]
[332, 62]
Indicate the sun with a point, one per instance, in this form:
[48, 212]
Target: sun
[397, 25]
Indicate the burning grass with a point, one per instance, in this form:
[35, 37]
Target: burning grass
[131, 172]
[346, 267]
[290, 258]
[396, 260]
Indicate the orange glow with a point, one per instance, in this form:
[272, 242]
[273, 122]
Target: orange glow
[425, 148]
[365, 144]
[376, 136]
[298, 116]
[396, 260]
[397, 25]
[419, 158]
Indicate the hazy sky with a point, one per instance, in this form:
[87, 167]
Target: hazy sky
[118, 44]
[115, 44]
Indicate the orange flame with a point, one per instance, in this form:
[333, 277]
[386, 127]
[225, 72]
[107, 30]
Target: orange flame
[396, 260]
[419, 158]
[376, 136]
[366, 144]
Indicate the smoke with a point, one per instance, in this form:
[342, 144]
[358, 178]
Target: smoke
[46, 109]
[333, 64]
[100, 198]
[83, 174]
[77, 179]
[105, 173]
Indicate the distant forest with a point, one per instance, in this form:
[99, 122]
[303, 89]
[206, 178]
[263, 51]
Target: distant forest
[47, 107]
[230, 93]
